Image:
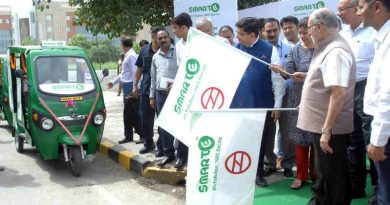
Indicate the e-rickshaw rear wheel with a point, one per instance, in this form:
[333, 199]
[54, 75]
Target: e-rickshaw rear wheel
[75, 160]
[19, 143]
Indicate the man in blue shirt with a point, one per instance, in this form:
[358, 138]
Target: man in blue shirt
[143, 64]
[286, 149]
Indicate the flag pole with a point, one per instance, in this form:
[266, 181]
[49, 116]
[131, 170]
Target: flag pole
[269, 65]
[246, 110]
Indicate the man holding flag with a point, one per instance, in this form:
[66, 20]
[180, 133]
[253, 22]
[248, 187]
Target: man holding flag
[260, 87]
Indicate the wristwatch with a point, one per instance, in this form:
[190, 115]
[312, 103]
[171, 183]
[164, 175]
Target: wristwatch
[326, 131]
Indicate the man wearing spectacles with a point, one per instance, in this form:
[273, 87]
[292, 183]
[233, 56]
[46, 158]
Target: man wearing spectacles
[360, 39]
[286, 150]
[326, 108]
[377, 95]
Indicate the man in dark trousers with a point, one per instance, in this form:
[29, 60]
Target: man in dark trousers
[131, 118]
[259, 87]
[143, 63]
[326, 108]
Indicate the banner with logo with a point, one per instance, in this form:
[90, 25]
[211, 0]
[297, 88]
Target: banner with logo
[221, 12]
[297, 8]
[224, 153]
[207, 79]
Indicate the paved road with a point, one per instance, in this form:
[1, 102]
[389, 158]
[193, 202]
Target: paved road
[28, 179]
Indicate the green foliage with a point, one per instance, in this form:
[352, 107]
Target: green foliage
[109, 65]
[243, 4]
[122, 16]
[115, 17]
[29, 41]
[99, 51]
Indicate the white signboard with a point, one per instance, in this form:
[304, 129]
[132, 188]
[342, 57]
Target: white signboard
[297, 8]
[221, 12]
[66, 88]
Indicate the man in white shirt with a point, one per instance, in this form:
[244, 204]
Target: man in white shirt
[286, 149]
[360, 39]
[377, 94]
[289, 26]
[131, 117]
[180, 27]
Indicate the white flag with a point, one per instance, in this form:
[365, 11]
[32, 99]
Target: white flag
[223, 157]
[207, 78]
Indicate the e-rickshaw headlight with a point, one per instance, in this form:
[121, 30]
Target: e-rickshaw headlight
[98, 119]
[47, 123]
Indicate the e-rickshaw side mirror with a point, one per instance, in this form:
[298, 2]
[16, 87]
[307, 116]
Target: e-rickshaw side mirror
[105, 72]
[19, 73]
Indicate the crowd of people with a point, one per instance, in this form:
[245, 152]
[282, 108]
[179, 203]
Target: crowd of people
[334, 74]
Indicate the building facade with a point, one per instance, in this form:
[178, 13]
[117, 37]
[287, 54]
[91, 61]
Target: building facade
[56, 22]
[5, 28]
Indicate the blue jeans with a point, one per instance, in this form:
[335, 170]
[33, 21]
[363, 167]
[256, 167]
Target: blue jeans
[166, 138]
[383, 169]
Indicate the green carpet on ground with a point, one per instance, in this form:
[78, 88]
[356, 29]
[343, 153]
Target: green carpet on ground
[281, 193]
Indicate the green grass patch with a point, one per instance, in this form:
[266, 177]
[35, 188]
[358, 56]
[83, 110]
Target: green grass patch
[281, 193]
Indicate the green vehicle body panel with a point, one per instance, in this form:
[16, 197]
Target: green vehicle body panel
[5, 107]
[48, 142]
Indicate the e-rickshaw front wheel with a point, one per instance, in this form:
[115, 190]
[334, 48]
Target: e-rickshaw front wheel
[19, 143]
[75, 160]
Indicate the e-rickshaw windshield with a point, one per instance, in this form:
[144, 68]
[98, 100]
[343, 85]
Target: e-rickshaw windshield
[64, 75]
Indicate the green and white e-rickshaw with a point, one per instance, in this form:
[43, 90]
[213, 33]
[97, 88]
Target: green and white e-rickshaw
[52, 99]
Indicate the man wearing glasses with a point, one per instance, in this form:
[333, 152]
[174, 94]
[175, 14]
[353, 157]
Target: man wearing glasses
[286, 149]
[377, 94]
[326, 108]
[360, 38]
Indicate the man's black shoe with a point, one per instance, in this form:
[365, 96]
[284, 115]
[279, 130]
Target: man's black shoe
[358, 194]
[159, 154]
[145, 150]
[268, 171]
[140, 141]
[125, 141]
[179, 163]
[165, 161]
[260, 181]
[288, 172]
[373, 198]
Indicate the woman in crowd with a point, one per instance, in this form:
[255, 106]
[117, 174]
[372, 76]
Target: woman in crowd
[299, 59]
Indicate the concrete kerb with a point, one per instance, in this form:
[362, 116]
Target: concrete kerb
[132, 161]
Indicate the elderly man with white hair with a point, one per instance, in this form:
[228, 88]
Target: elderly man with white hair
[206, 26]
[326, 108]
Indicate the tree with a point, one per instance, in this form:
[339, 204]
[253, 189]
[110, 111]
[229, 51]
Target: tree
[243, 4]
[99, 51]
[121, 16]
[115, 17]
[29, 41]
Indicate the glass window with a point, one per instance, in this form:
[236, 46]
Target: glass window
[49, 17]
[7, 21]
[64, 75]
[49, 29]
[1, 20]
[68, 29]
[68, 18]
